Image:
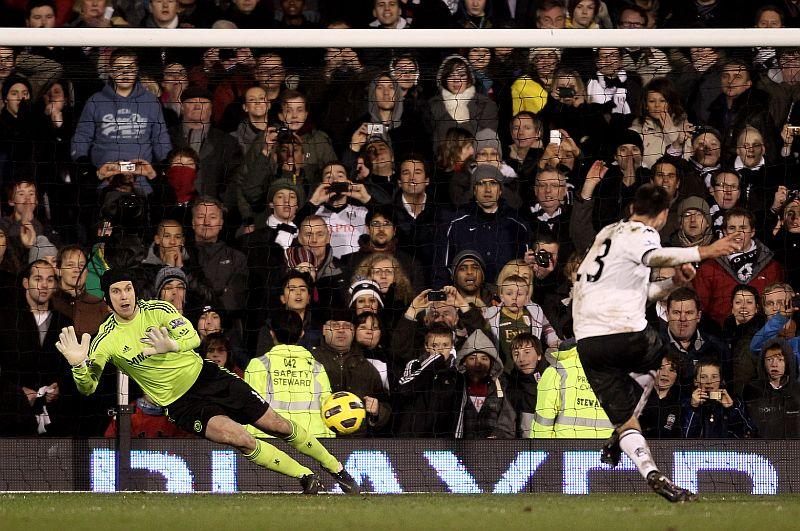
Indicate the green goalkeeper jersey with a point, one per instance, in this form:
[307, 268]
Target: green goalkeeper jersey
[164, 377]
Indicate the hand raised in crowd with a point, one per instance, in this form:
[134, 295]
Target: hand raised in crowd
[321, 195]
[789, 306]
[725, 399]
[144, 168]
[455, 298]
[419, 303]
[597, 172]
[371, 405]
[359, 138]
[108, 170]
[699, 397]
[563, 153]
[788, 132]
[27, 233]
[780, 197]
[359, 192]
[270, 139]
[52, 393]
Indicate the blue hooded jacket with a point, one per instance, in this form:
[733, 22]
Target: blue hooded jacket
[114, 128]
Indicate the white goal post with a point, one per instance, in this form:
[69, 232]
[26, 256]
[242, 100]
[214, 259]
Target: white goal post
[418, 38]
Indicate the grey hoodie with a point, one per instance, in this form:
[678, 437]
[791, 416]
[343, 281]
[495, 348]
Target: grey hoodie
[478, 341]
[397, 112]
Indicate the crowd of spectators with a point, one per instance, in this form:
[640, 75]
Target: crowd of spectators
[406, 224]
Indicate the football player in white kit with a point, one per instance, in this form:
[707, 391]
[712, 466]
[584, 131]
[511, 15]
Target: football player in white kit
[618, 350]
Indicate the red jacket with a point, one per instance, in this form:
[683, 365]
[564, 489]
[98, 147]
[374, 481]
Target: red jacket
[715, 281]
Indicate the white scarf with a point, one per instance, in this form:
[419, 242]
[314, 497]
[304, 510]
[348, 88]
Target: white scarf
[457, 104]
[282, 238]
[599, 93]
[738, 164]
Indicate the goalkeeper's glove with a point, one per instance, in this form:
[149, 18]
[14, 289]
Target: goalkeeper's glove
[76, 352]
[160, 342]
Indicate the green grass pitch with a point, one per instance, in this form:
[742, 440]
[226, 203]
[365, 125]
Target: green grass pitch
[198, 512]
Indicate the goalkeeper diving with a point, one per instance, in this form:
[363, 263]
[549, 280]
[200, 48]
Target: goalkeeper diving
[154, 344]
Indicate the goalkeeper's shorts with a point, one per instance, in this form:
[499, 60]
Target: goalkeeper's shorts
[217, 391]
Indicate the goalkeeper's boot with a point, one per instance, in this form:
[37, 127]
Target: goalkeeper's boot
[346, 481]
[662, 485]
[310, 484]
[611, 452]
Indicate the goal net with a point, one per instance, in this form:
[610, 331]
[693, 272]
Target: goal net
[421, 199]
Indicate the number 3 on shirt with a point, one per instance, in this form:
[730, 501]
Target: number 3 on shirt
[605, 248]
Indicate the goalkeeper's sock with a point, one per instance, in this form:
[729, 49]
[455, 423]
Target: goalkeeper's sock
[633, 444]
[272, 458]
[307, 444]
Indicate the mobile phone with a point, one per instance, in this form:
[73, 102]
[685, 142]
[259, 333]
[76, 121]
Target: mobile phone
[125, 165]
[715, 395]
[339, 187]
[566, 92]
[555, 137]
[108, 13]
[437, 296]
[794, 129]
[375, 129]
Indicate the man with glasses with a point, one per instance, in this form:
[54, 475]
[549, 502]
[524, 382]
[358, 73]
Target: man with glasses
[549, 214]
[725, 193]
[381, 237]
[751, 264]
[649, 63]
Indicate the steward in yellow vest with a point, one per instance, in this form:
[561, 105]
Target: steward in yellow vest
[566, 406]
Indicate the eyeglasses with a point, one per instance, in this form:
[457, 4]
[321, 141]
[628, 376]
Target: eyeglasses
[752, 146]
[627, 24]
[378, 224]
[382, 271]
[727, 187]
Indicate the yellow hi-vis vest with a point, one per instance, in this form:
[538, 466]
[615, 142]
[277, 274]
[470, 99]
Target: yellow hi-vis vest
[295, 385]
[566, 406]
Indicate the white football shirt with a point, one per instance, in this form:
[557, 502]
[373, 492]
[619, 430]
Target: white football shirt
[610, 295]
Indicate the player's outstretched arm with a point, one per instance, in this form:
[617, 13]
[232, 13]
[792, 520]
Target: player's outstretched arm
[75, 352]
[86, 368]
[722, 247]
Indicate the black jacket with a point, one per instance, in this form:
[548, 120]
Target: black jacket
[225, 271]
[350, 371]
[775, 412]
[427, 394]
[661, 418]
[521, 392]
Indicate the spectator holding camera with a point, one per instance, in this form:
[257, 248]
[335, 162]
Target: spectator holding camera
[773, 399]
[340, 203]
[711, 412]
[135, 137]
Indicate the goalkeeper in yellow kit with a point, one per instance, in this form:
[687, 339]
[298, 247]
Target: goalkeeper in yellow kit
[153, 344]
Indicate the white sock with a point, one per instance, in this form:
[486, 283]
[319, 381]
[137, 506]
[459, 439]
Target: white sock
[633, 444]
